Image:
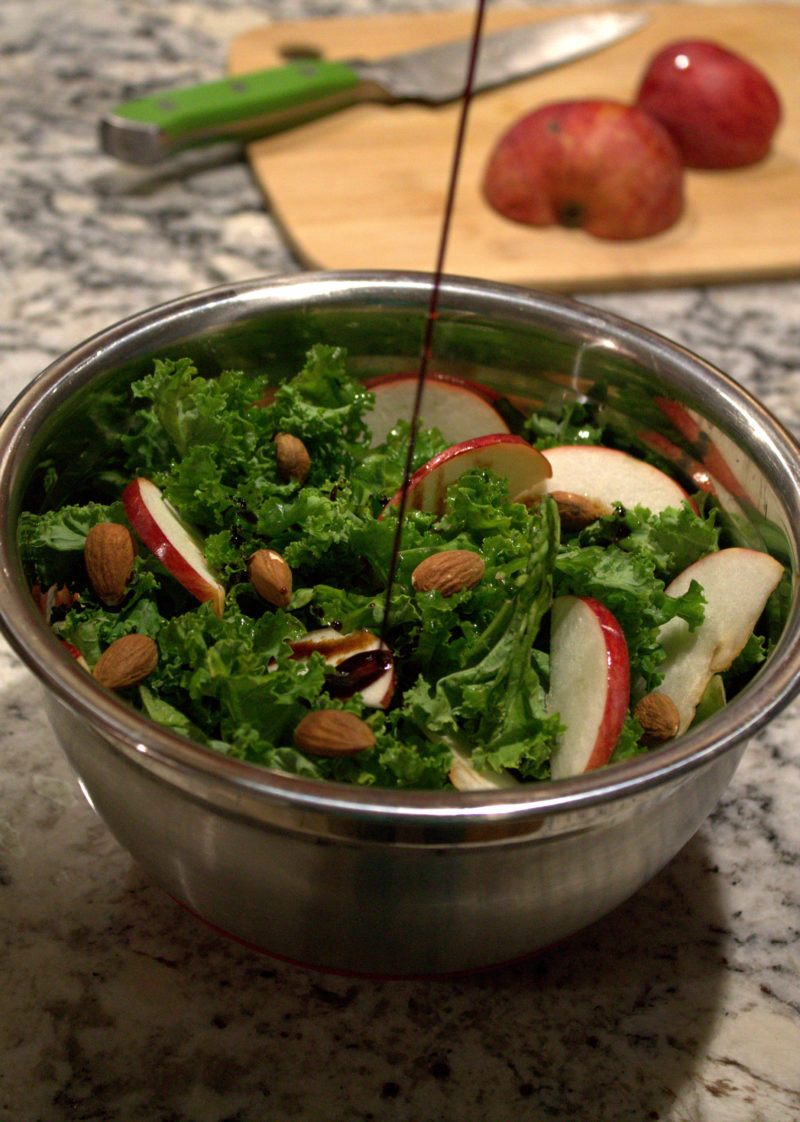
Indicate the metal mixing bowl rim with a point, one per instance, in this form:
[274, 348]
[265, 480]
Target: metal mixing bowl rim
[182, 762]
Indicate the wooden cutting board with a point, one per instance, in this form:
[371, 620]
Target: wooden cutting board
[364, 188]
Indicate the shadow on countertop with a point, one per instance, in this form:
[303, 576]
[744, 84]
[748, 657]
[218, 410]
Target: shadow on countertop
[133, 1009]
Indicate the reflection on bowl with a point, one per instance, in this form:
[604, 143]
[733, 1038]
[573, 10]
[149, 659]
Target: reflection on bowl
[373, 881]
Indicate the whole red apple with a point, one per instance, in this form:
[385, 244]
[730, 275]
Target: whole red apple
[720, 110]
[601, 165]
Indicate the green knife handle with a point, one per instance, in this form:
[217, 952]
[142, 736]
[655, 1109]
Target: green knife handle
[242, 108]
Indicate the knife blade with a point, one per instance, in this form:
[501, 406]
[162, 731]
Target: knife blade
[148, 129]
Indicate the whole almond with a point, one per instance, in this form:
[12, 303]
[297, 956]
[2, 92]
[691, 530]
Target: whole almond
[270, 576]
[109, 554]
[126, 662]
[293, 459]
[658, 715]
[448, 572]
[575, 512]
[333, 732]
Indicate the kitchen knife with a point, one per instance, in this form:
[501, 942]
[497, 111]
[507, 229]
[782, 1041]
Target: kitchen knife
[265, 101]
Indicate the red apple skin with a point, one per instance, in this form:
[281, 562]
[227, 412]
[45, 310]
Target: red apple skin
[600, 165]
[203, 586]
[73, 652]
[427, 487]
[616, 668]
[720, 109]
[619, 689]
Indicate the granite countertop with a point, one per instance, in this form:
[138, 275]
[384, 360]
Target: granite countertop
[681, 1006]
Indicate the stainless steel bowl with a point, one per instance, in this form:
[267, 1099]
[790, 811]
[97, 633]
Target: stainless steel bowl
[367, 880]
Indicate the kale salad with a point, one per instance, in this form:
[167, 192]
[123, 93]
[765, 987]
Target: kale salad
[283, 499]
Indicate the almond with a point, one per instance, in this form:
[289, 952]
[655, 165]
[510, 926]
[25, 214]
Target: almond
[658, 715]
[109, 554]
[448, 572]
[578, 511]
[333, 732]
[293, 459]
[270, 576]
[126, 662]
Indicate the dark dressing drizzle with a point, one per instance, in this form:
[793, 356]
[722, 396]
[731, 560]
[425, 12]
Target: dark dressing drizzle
[433, 306]
[357, 672]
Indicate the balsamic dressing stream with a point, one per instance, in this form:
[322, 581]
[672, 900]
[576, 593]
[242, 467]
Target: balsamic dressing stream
[359, 670]
[433, 306]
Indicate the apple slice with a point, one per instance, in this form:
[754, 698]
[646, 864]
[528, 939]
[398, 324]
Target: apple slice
[713, 699]
[162, 531]
[589, 683]
[378, 674]
[465, 777]
[608, 476]
[73, 652]
[455, 407]
[736, 583]
[506, 455]
[479, 388]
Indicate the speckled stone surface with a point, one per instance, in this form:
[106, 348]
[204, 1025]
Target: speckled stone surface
[115, 1005]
